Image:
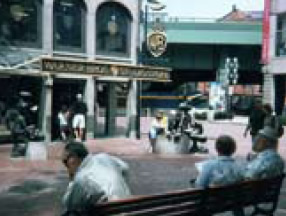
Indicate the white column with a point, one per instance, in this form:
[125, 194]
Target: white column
[46, 108]
[272, 36]
[47, 27]
[131, 109]
[135, 40]
[268, 86]
[90, 34]
[90, 98]
[268, 77]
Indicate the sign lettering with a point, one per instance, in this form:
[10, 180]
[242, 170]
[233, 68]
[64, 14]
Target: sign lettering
[100, 69]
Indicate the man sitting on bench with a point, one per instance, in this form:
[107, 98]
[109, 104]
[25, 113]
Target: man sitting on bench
[220, 171]
[94, 178]
[267, 163]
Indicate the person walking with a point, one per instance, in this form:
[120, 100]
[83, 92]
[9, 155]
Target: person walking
[256, 120]
[79, 110]
[272, 120]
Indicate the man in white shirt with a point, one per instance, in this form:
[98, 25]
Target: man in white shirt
[93, 178]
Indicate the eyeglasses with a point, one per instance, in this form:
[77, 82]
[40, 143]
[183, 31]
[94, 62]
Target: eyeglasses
[65, 160]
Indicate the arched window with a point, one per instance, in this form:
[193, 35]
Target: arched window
[113, 30]
[69, 25]
[21, 22]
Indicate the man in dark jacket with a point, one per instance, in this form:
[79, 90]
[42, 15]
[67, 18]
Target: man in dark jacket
[256, 120]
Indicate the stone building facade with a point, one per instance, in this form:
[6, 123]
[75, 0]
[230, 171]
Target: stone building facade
[275, 71]
[72, 34]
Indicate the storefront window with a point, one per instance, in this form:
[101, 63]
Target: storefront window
[69, 25]
[113, 30]
[281, 36]
[20, 22]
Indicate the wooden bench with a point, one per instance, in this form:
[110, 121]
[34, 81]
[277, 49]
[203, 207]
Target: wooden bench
[199, 202]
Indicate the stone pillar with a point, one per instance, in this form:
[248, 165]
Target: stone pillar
[132, 109]
[268, 86]
[90, 98]
[90, 33]
[272, 36]
[111, 108]
[45, 118]
[47, 28]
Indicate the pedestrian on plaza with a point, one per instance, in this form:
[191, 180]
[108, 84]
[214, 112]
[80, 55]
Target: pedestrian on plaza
[63, 119]
[79, 110]
[17, 125]
[267, 163]
[256, 120]
[272, 120]
[223, 170]
[93, 178]
[158, 127]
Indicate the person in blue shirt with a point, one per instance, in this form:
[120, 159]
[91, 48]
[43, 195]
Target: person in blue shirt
[267, 163]
[222, 170]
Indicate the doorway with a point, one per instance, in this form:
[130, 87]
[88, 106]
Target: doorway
[64, 94]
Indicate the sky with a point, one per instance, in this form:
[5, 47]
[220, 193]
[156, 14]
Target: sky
[208, 8]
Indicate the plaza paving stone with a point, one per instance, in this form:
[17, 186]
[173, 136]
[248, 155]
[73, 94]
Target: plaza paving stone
[35, 188]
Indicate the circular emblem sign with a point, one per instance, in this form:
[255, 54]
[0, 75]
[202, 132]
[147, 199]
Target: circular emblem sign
[157, 43]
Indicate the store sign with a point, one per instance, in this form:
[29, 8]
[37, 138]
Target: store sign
[57, 65]
[157, 39]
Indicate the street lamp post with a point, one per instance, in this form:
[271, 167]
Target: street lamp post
[231, 71]
[154, 5]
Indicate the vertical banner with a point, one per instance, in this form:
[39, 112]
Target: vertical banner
[266, 32]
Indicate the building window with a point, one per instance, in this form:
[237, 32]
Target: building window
[113, 30]
[281, 35]
[69, 25]
[20, 23]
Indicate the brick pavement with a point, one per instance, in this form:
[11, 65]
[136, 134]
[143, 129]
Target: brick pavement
[46, 180]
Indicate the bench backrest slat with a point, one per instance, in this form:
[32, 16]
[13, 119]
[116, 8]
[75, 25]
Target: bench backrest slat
[196, 201]
[156, 203]
[243, 194]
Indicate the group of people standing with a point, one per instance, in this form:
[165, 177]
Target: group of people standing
[72, 121]
[262, 116]
[175, 126]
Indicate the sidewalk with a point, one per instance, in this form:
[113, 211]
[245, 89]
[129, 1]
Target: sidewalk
[33, 188]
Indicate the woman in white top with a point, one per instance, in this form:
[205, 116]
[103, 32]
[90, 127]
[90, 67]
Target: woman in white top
[63, 117]
[158, 127]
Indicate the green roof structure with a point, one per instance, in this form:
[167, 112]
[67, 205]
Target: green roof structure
[224, 33]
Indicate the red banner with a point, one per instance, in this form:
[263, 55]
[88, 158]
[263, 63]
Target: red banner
[266, 32]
